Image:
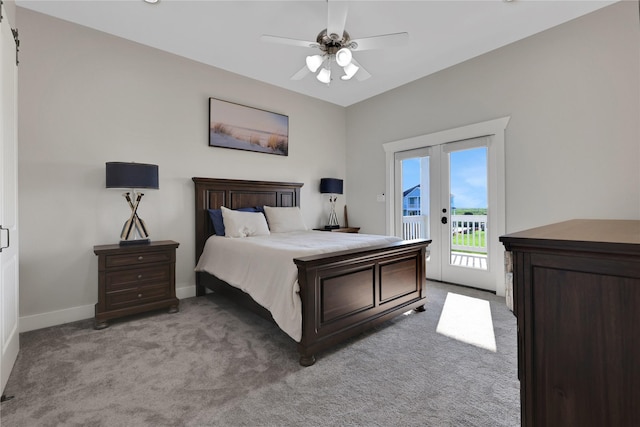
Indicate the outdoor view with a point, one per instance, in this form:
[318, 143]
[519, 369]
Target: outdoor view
[468, 204]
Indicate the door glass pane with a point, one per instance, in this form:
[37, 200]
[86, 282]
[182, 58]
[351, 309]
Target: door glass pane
[415, 198]
[468, 207]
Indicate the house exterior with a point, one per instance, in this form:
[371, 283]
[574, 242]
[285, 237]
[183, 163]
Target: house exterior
[411, 201]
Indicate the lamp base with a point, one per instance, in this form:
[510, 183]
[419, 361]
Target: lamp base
[331, 227]
[134, 242]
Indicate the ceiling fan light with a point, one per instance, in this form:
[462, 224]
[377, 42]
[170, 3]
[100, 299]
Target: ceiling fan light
[349, 71]
[324, 75]
[314, 62]
[343, 57]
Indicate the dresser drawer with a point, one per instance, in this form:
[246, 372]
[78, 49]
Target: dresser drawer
[138, 258]
[136, 296]
[133, 277]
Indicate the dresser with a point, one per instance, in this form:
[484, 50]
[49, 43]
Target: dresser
[134, 279]
[577, 303]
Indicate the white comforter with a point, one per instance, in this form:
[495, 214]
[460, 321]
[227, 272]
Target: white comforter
[263, 266]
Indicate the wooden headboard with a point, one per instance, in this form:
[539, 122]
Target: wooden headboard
[212, 193]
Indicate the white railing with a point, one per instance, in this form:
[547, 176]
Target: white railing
[414, 227]
[467, 231]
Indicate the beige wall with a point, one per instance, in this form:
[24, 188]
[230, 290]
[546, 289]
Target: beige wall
[573, 141]
[10, 8]
[572, 148]
[86, 98]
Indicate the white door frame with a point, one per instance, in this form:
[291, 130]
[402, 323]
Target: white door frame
[9, 314]
[495, 130]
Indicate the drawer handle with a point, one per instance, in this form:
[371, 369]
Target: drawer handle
[139, 276]
[139, 295]
[140, 258]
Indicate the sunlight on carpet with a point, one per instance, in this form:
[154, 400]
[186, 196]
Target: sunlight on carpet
[468, 320]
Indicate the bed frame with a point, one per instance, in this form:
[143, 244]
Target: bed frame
[343, 293]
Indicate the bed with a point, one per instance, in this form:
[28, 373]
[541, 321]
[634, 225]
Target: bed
[342, 293]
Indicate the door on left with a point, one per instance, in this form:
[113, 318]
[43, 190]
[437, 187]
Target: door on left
[9, 330]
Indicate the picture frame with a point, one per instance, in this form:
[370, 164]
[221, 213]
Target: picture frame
[240, 127]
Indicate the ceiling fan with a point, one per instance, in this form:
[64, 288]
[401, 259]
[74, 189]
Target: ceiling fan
[335, 44]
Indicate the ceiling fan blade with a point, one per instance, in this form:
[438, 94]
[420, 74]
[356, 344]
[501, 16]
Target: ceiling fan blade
[288, 41]
[301, 74]
[381, 42]
[337, 17]
[362, 74]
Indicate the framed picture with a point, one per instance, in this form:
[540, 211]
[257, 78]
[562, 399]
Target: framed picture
[245, 128]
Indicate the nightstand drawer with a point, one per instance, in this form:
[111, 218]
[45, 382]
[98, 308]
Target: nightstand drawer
[137, 296]
[137, 258]
[130, 278]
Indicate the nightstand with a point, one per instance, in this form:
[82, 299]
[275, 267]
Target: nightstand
[340, 230]
[135, 279]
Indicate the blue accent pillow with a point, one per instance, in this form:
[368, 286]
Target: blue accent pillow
[216, 219]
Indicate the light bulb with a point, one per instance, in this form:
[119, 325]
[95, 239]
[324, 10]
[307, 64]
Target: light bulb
[343, 57]
[324, 75]
[314, 62]
[349, 71]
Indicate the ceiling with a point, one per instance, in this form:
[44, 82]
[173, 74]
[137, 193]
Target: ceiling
[227, 34]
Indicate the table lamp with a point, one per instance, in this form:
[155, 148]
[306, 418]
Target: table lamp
[331, 186]
[133, 176]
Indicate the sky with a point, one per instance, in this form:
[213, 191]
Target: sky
[468, 177]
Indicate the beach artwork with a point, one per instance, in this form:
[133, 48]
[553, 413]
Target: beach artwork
[245, 128]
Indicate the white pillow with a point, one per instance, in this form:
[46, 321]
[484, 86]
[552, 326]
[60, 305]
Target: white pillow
[284, 219]
[244, 224]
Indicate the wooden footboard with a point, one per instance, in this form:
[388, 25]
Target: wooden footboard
[345, 293]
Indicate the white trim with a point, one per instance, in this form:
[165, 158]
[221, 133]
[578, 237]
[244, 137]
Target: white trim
[186, 291]
[494, 128]
[491, 127]
[58, 317]
[67, 315]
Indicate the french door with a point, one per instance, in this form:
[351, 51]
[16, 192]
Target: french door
[444, 193]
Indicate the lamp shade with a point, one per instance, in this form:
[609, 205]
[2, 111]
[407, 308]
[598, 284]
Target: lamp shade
[131, 175]
[324, 75]
[314, 62]
[349, 71]
[343, 57]
[331, 185]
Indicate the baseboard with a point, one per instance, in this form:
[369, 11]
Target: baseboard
[186, 291]
[53, 318]
[59, 317]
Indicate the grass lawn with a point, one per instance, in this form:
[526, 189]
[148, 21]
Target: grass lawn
[474, 239]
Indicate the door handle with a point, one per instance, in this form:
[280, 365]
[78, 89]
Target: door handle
[444, 220]
[8, 242]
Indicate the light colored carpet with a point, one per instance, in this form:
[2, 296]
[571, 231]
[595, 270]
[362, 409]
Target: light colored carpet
[216, 364]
